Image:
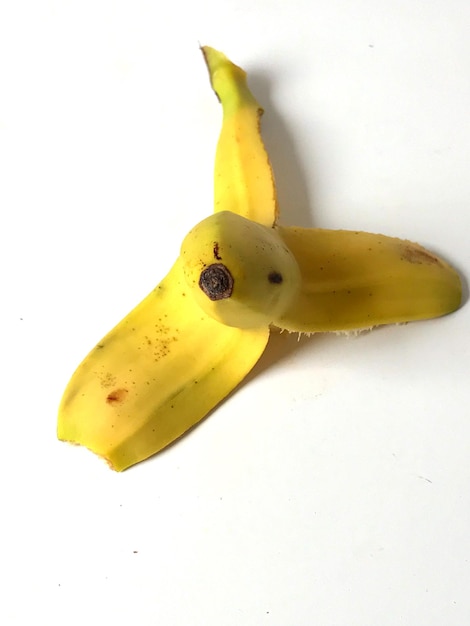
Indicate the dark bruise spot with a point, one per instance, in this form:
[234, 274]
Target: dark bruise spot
[117, 396]
[216, 251]
[216, 282]
[419, 255]
[275, 278]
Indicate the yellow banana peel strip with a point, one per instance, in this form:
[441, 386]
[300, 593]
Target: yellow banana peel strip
[201, 330]
[354, 280]
[155, 375]
[243, 177]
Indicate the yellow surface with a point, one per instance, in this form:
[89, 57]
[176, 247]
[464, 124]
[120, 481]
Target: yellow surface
[156, 374]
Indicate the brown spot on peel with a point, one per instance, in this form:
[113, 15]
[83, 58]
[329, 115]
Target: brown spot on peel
[117, 396]
[216, 251]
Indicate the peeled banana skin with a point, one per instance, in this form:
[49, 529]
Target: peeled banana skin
[197, 334]
[243, 176]
[316, 280]
[354, 280]
[156, 374]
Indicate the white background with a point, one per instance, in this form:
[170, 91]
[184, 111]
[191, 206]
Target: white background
[333, 488]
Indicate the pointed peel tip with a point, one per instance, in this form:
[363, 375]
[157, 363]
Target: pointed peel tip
[228, 81]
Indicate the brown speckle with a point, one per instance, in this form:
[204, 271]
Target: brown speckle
[117, 396]
[107, 380]
[216, 251]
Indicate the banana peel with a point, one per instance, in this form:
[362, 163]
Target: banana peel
[354, 280]
[198, 333]
[243, 176]
[156, 374]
